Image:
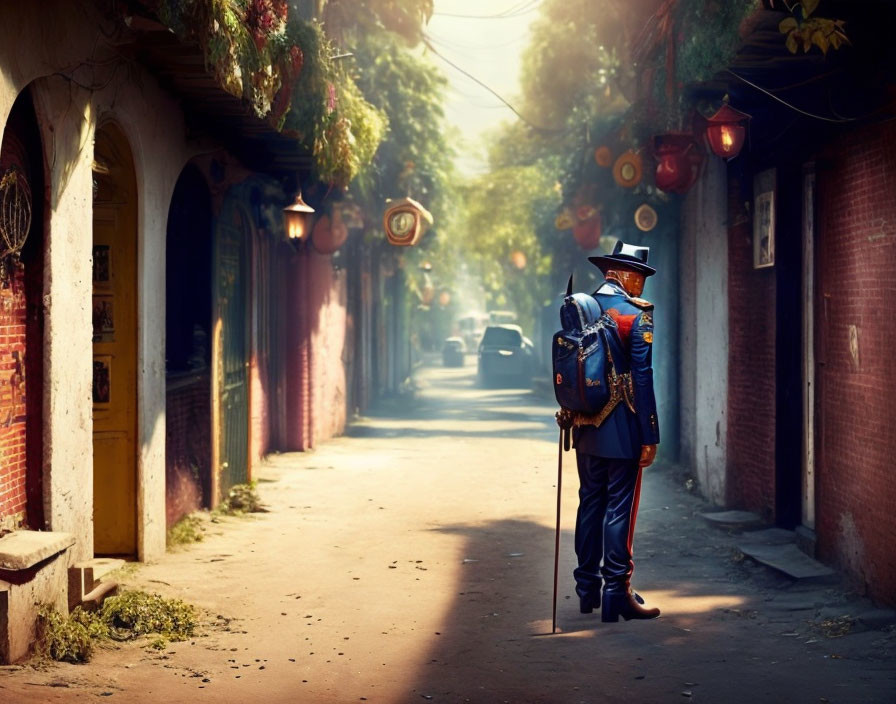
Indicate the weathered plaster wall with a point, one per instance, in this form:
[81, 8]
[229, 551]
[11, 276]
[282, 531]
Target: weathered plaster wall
[705, 330]
[69, 115]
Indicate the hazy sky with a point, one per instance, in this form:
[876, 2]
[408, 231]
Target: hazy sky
[485, 38]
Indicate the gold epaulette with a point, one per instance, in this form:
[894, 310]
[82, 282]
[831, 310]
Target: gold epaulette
[641, 303]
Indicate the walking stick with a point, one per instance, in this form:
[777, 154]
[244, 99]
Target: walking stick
[564, 434]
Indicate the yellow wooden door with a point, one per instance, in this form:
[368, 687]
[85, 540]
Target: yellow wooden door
[114, 347]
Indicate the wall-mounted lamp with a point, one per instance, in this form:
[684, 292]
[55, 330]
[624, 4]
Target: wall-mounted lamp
[297, 218]
[726, 131]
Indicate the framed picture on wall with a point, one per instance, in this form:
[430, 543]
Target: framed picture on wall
[764, 219]
[102, 265]
[102, 380]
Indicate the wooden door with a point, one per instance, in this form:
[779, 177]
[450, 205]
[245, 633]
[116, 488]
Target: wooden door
[114, 346]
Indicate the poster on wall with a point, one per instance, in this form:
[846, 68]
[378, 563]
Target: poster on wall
[764, 220]
[102, 264]
[103, 318]
[102, 380]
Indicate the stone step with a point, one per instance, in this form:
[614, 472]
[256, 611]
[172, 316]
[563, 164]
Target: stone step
[86, 578]
[789, 559]
[738, 520]
[101, 566]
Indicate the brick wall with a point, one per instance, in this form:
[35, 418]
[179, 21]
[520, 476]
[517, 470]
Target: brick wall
[21, 329]
[314, 317]
[856, 404]
[13, 456]
[751, 363]
[328, 349]
[187, 446]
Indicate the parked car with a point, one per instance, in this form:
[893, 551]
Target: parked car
[453, 351]
[505, 356]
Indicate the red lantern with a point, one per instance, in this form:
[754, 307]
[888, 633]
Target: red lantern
[329, 234]
[678, 162]
[726, 131]
[587, 231]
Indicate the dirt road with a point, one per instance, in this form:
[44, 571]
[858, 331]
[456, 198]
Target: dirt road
[411, 561]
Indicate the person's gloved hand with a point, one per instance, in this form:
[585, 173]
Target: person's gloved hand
[648, 454]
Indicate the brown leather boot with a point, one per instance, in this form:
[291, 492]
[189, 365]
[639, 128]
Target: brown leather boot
[626, 604]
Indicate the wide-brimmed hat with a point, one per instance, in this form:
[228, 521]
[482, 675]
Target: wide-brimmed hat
[626, 255]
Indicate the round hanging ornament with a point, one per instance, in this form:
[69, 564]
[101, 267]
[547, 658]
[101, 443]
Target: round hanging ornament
[645, 218]
[628, 169]
[603, 156]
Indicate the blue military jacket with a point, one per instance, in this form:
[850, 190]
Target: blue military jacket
[623, 433]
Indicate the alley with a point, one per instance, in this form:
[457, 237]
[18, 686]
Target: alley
[411, 561]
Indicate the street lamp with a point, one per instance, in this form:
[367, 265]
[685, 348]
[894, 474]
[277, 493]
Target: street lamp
[297, 218]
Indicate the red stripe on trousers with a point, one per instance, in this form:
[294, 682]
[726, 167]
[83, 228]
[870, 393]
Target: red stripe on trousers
[633, 517]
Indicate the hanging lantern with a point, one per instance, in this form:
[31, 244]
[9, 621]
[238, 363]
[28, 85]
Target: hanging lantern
[329, 233]
[726, 131]
[405, 221]
[518, 259]
[678, 162]
[603, 156]
[628, 169]
[297, 218]
[15, 220]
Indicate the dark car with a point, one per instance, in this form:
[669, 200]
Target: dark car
[453, 351]
[505, 356]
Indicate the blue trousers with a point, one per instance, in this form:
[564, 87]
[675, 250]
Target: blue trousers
[609, 490]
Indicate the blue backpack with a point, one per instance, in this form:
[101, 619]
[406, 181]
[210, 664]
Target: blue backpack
[586, 353]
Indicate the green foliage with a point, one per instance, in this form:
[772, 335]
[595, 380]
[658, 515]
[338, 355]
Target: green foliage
[189, 529]
[133, 613]
[804, 31]
[339, 127]
[403, 18]
[282, 66]
[708, 36]
[68, 639]
[510, 210]
[242, 498]
[73, 638]
[414, 157]
[572, 68]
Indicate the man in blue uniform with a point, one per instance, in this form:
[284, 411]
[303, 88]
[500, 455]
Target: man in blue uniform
[612, 455]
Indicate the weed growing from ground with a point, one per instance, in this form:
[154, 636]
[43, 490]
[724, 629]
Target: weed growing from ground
[242, 498]
[124, 617]
[189, 529]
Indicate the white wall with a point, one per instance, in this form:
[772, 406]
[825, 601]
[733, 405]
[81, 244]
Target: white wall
[38, 40]
[704, 333]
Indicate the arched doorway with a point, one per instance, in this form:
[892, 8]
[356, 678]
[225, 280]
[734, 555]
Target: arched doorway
[22, 319]
[188, 315]
[114, 344]
[230, 347]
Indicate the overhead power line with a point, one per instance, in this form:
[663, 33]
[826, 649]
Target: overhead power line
[540, 128]
[520, 9]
